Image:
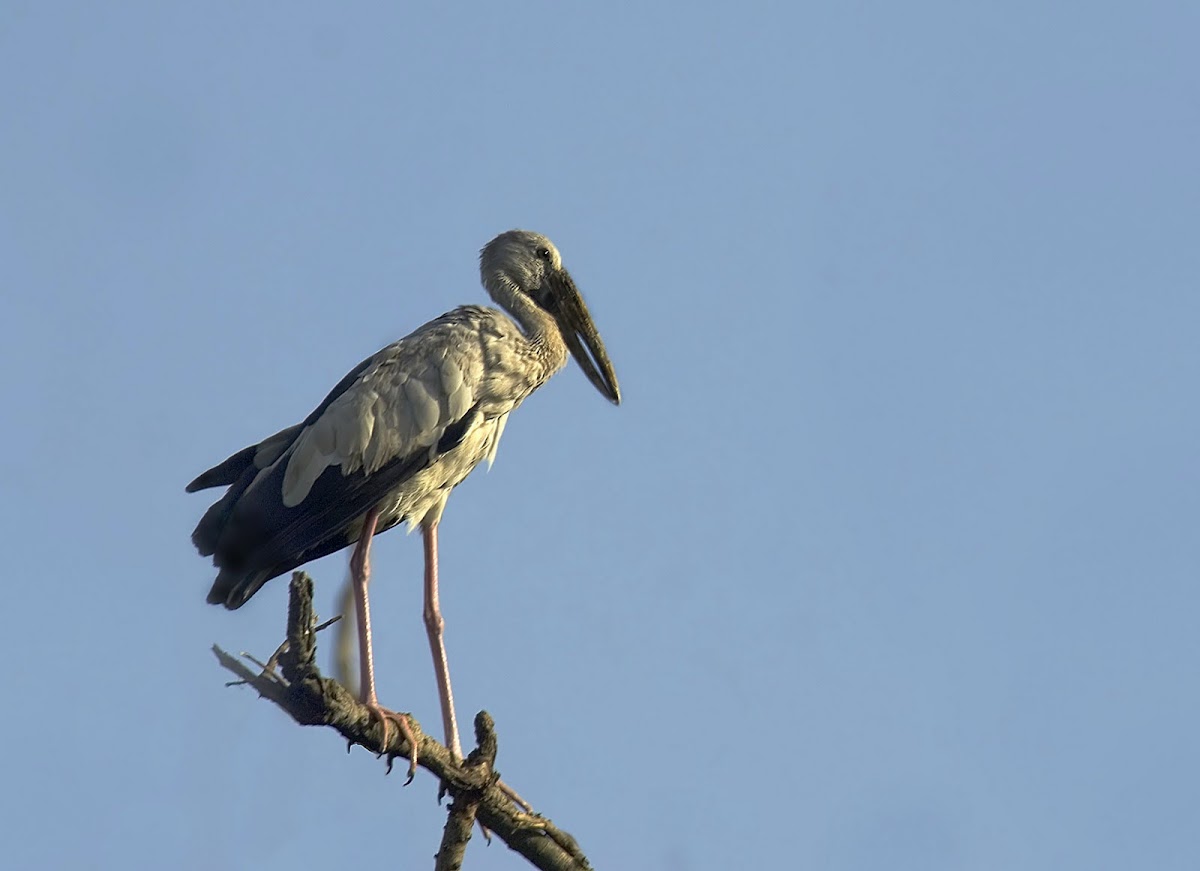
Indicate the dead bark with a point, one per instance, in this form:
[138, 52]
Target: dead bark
[314, 700]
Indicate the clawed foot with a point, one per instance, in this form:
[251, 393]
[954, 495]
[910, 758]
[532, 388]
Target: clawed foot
[403, 723]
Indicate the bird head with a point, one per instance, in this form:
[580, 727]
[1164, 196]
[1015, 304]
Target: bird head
[526, 264]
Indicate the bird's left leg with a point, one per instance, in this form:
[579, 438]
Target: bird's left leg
[434, 626]
[360, 572]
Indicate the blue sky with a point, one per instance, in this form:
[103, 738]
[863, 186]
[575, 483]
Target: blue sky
[888, 560]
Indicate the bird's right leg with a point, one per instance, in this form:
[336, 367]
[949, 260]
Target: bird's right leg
[435, 629]
[360, 573]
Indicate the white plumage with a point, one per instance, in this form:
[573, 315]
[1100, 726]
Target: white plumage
[410, 394]
[398, 433]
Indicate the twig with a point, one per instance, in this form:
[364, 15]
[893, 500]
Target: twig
[313, 700]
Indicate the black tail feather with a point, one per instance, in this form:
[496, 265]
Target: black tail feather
[226, 472]
[234, 589]
[257, 456]
[234, 586]
[254, 537]
[212, 525]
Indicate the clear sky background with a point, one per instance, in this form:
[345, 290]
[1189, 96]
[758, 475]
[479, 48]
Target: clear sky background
[890, 558]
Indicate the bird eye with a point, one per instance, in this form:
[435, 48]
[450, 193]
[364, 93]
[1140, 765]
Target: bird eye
[544, 253]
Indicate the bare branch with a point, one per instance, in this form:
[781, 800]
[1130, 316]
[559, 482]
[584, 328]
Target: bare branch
[473, 784]
[465, 806]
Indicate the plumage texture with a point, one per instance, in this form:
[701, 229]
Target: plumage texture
[460, 374]
[403, 428]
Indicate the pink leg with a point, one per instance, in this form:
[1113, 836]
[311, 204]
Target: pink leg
[360, 572]
[434, 624]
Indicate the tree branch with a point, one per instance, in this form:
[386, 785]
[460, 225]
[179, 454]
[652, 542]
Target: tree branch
[464, 808]
[313, 700]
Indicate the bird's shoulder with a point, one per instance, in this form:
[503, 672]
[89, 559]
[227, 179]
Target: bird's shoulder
[462, 343]
[458, 327]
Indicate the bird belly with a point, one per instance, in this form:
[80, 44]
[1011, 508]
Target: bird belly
[422, 498]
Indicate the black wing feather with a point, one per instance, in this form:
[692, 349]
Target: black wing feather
[263, 538]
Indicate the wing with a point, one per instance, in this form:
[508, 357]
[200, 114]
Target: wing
[401, 405]
[240, 470]
[393, 416]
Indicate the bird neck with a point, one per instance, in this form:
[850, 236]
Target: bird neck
[538, 325]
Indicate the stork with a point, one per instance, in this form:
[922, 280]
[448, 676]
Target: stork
[393, 438]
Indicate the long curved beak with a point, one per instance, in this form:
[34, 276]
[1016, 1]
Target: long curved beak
[580, 334]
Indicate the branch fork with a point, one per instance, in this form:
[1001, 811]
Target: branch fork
[473, 785]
